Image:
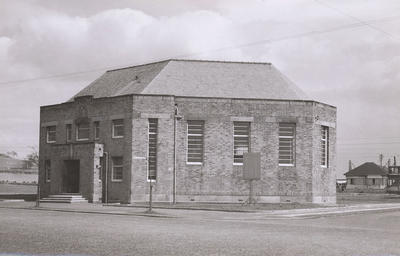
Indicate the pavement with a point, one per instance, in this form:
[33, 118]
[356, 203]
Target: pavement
[203, 211]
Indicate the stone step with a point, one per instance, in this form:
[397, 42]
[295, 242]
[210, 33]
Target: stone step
[45, 200]
[64, 198]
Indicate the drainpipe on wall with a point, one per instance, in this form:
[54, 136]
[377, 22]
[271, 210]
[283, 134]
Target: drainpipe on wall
[176, 118]
[174, 165]
[106, 179]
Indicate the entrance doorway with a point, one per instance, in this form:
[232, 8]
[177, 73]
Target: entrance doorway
[70, 179]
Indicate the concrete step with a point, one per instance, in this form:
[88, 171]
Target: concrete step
[64, 198]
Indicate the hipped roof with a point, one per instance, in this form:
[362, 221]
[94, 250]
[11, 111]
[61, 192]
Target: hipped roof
[366, 169]
[195, 78]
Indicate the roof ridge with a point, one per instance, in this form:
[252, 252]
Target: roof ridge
[192, 60]
[222, 61]
[140, 65]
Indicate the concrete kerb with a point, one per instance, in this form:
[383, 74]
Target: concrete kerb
[337, 211]
[253, 215]
[185, 208]
[153, 214]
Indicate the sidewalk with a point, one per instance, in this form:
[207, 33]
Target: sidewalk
[188, 210]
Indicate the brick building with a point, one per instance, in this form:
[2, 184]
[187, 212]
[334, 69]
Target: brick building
[186, 124]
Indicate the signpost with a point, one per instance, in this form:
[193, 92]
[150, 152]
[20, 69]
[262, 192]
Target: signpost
[251, 171]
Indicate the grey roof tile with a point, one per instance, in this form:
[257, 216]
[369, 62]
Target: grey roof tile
[196, 78]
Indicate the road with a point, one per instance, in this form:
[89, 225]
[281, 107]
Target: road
[58, 233]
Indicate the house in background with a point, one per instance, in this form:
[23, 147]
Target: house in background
[186, 124]
[368, 177]
[394, 177]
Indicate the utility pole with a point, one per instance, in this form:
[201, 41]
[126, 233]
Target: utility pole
[381, 159]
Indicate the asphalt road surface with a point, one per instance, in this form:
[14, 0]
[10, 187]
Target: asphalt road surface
[31, 232]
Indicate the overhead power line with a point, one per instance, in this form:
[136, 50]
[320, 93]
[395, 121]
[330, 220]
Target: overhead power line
[232, 47]
[368, 24]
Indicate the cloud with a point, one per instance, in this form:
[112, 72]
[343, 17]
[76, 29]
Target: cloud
[355, 69]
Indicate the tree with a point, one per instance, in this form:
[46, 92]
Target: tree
[33, 157]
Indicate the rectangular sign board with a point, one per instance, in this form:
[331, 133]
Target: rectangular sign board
[251, 166]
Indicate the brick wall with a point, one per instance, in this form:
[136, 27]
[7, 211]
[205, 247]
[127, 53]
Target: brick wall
[103, 110]
[217, 179]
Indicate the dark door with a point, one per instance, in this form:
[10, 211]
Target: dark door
[71, 176]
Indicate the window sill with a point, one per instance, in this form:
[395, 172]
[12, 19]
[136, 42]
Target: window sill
[287, 165]
[50, 142]
[116, 180]
[324, 166]
[82, 139]
[117, 137]
[237, 163]
[194, 163]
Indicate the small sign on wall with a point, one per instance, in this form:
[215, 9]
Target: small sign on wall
[251, 166]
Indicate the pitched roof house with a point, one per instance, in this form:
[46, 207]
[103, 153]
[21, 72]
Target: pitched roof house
[186, 124]
[366, 177]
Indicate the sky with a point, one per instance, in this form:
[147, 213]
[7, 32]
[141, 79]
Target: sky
[342, 52]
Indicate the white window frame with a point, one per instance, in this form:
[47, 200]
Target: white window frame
[77, 132]
[68, 132]
[47, 134]
[187, 142]
[113, 166]
[293, 144]
[324, 149]
[116, 125]
[148, 149]
[47, 170]
[240, 136]
[96, 130]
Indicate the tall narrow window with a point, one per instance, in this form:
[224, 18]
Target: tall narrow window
[324, 146]
[195, 142]
[82, 131]
[96, 130]
[118, 128]
[47, 170]
[287, 133]
[241, 141]
[51, 134]
[152, 151]
[68, 129]
[117, 168]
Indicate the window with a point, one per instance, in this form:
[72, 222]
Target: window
[324, 146]
[152, 151]
[195, 142]
[51, 134]
[118, 128]
[68, 129]
[47, 170]
[96, 128]
[117, 168]
[286, 144]
[351, 181]
[241, 141]
[373, 182]
[82, 131]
